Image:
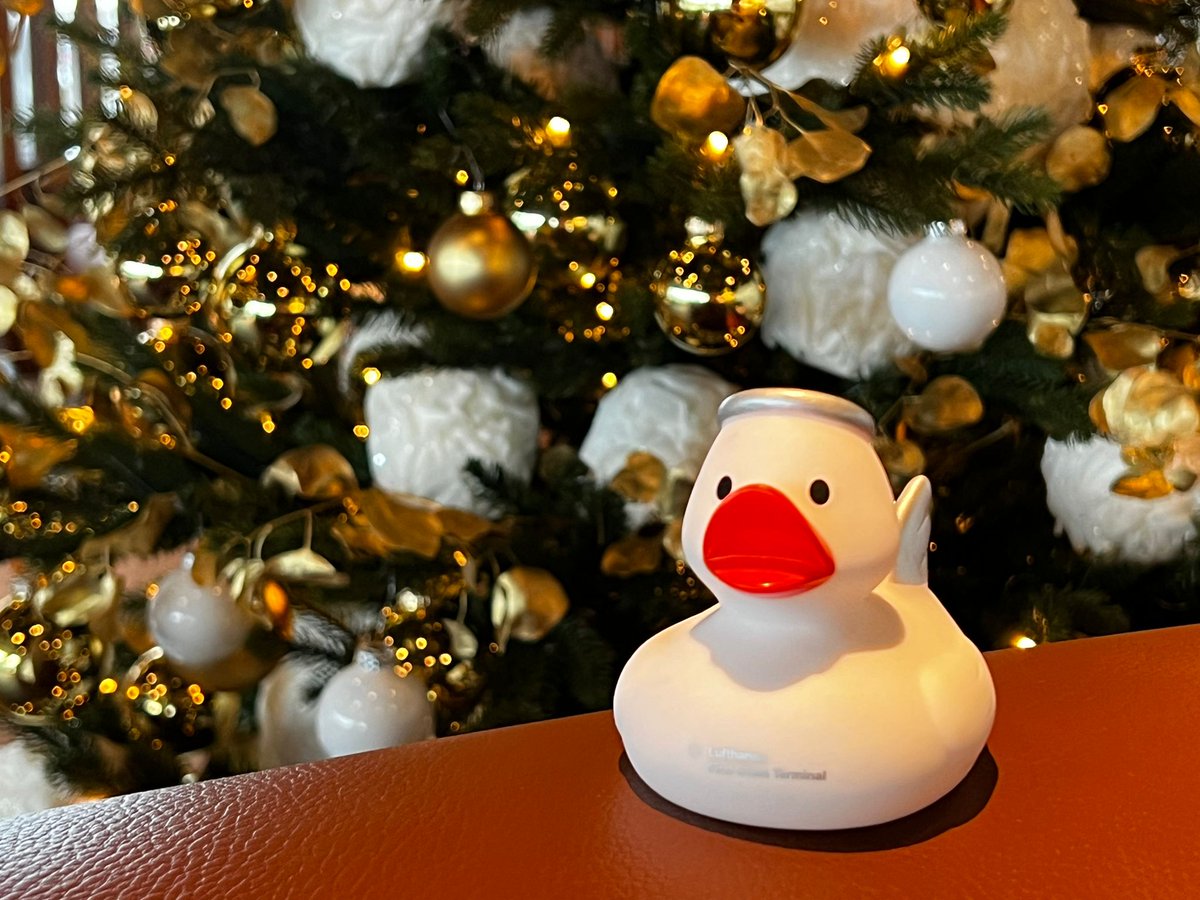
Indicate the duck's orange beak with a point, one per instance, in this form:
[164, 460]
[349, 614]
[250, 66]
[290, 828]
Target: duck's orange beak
[758, 542]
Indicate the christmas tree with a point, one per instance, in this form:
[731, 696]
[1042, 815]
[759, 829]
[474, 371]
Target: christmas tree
[388, 338]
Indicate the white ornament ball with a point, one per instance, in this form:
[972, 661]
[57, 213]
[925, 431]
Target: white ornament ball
[374, 43]
[1042, 59]
[829, 35]
[426, 426]
[286, 712]
[947, 292]
[669, 412]
[198, 628]
[827, 280]
[366, 706]
[1079, 475]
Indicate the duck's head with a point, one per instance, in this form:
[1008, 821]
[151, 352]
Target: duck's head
[791, 501]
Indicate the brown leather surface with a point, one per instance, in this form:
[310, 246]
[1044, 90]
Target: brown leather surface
[1098, 795]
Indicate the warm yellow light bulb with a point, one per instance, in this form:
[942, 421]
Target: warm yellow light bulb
[716, 145]
[558, 130]
[895, 61]
[609, 380]
[1024, 642]
[412, 261]
[370, 375]
[604, 310]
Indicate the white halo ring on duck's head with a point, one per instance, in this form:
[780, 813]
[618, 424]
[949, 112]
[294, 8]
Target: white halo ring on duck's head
[801, 402]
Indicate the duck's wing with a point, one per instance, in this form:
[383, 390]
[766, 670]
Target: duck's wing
[913, 510]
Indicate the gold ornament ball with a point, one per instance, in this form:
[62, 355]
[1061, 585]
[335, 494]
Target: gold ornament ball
[741, 32]
[570, 218]
[480, 265]
[708, 299]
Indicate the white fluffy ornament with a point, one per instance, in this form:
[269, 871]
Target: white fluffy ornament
[374, 43]
[1079, 476]
[516, 47]
[827, 280]
[669, 412]
[1042, 59]
[366, 706]
[286, 711]
[829, 34]
[947, 292]
[24, 787]
[426, 426]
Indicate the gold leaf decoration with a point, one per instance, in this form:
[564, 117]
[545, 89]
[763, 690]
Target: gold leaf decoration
[1153, 264]
[827, 156]
[632, 555]
[306, 566]
[25, 7]
[79, 600]
[1183, 359]
[1126, 345]
[693, 99]
[190, 57]
[139, 111]
[1079, 158]
[315, 472]
[1186, 101]
[1143, 485]
[26, 456]
[1147, 407]
[465, 526]
[14, 241]
[767, 189]
[39, 323]
[380, 524]
[46, 230]
[1055, 312]
[948, 402]
[251, 113]
[903, 459]
[137, 537]
[853, 119]
[1133, 107]
[641, 479]
[8, 309]
[526, 604]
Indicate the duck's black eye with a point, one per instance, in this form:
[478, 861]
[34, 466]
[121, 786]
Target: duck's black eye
[724, 486]
[819, 491]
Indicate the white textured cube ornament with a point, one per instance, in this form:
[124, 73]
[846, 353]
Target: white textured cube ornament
[828, 688]
[426, 426]
[374, 43]
[669, 412]
[827, 280]
[1042, 60]
[1079, 477]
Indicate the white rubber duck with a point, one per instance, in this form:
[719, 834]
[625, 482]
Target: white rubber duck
[828, 688]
